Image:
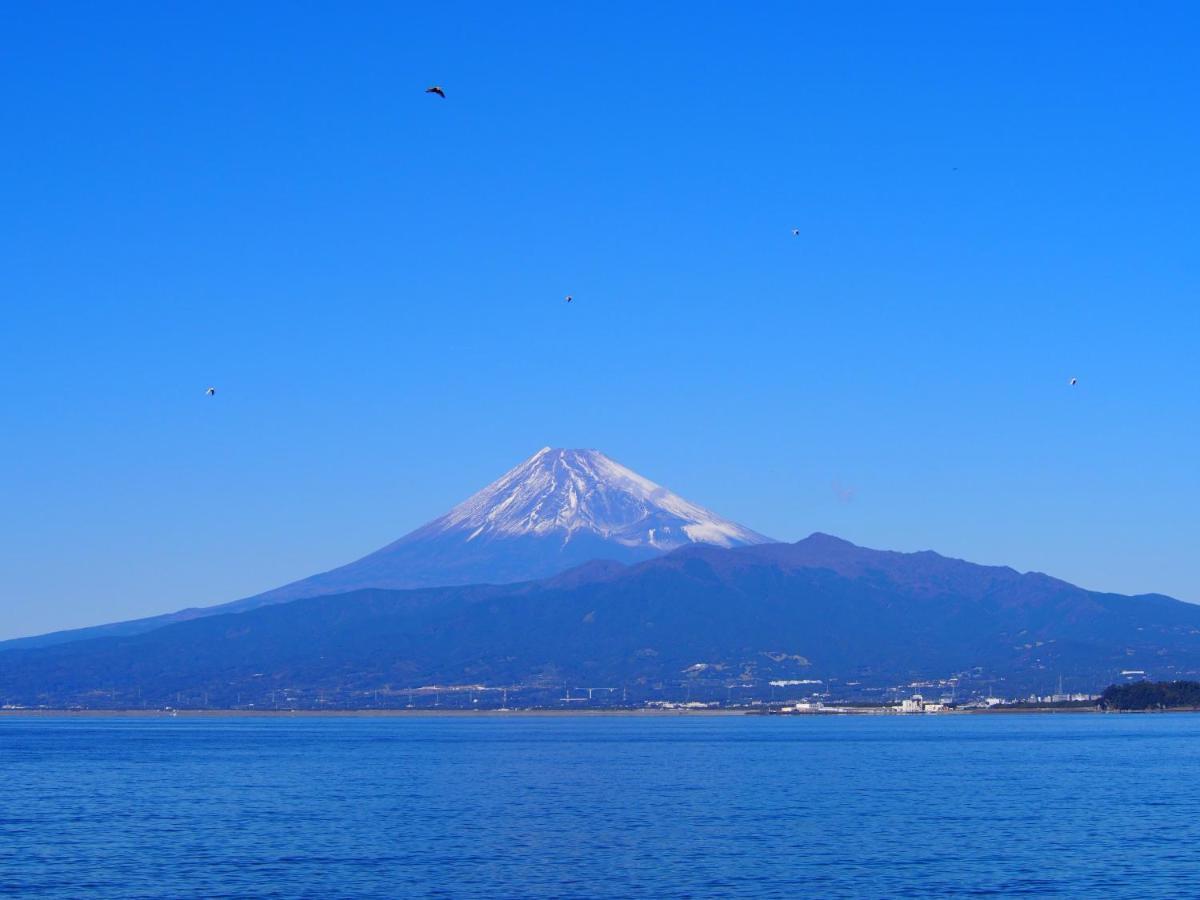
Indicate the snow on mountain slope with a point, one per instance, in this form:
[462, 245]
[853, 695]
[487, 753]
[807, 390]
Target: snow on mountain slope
[564, 492]
[557, 509]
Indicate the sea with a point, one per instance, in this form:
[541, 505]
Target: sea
[500, 806]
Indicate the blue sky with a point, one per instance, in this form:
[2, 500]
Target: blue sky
[992, 198]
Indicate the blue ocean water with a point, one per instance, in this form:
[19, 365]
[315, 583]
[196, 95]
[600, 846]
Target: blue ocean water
[1072, 805]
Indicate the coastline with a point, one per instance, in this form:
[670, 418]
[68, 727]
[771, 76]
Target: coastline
[519, 713]
[354, 713]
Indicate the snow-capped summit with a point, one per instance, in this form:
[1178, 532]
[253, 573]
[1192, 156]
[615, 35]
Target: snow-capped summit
[565, 494]
[556, 510]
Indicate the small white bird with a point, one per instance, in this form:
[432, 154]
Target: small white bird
[211, 392]
[1073, 382]
[569, 298]
[795, 232]
[436, 89]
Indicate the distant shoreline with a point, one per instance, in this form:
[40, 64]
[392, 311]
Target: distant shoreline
[355, 713]
[543, 713]
[521, 713]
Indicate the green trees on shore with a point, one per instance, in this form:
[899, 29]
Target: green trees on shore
[1152, 695]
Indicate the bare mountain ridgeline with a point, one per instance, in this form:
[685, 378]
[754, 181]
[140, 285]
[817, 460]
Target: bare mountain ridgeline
[703, 623]
[573, 571]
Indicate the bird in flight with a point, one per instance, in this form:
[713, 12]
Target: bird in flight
[436, 89]
[795, 232]
[211, 392]
[569, 298]
[1073, 382]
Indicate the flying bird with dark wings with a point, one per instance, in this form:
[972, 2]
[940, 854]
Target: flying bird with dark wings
[436, 89]
[211, 392]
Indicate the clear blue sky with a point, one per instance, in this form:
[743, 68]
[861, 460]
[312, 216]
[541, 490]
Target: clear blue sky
[992, 198]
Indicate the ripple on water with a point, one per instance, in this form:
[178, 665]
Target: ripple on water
[596, 808]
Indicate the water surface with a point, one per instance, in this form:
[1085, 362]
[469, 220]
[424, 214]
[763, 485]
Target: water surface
[1068, 805]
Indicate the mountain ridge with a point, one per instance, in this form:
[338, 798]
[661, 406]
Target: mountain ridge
[552, 511]
[698, 622]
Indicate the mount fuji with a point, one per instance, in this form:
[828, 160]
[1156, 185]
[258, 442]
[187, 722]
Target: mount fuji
[557, 509]
[554, 511]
